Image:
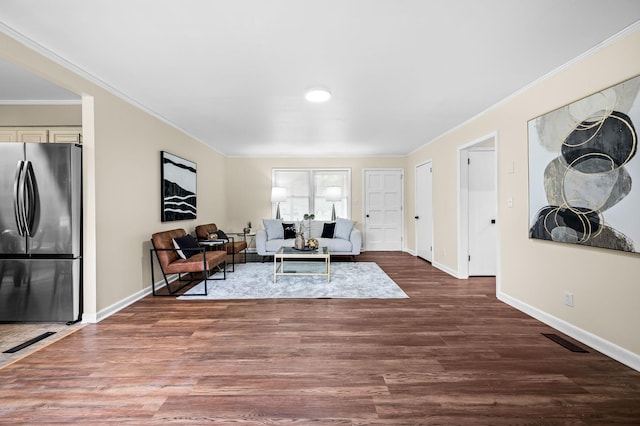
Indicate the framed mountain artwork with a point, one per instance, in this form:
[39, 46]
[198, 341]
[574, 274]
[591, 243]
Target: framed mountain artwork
[584, 171]
[178, 182]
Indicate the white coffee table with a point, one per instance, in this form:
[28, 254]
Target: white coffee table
[289, 261]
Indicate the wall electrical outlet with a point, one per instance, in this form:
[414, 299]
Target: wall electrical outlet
[568, 299]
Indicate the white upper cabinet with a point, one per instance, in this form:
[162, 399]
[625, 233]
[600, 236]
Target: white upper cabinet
[33, 135]
[41, 134]
[66, 135]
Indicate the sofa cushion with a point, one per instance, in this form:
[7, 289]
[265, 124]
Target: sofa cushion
[186, 246]
[289, 230]
[195, 263]
[274, 245]
[236, 247]
[164, 240]
[336, 245]
[273, 228]
[328, 230]
[343, 228]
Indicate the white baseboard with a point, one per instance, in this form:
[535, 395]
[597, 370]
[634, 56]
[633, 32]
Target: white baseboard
[89, 319]
[121, 304]
[610, 349]
[446, 269]
[436, 265]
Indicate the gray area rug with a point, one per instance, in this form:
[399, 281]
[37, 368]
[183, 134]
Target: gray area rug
[349, 280]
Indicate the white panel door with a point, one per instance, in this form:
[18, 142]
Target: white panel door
[482, 213]
[424, 211]
[383, 210]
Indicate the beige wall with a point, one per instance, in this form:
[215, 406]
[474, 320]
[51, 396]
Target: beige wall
[533, 274]
[249, 184]
[123, 154]
[40, 115]
[128, 145]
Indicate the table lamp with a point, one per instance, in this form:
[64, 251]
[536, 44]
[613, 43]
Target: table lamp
[333, 194]
[278, 195]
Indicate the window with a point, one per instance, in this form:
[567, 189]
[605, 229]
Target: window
[306, 190]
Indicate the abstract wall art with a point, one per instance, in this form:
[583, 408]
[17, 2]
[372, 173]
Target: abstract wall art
[178, 182]
[584, 171]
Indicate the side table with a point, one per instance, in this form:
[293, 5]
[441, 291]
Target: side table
[250, 240]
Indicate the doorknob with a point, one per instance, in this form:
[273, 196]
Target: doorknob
[493, 221]
[367, 215]
[416, 217]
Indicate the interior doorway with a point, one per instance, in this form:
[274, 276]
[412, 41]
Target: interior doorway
[383, 218]
[424, 211]
[478, 221]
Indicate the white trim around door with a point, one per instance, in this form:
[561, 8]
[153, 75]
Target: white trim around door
[424, 210]
[486, 142]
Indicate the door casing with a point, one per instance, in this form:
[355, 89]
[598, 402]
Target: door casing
[424, 211]
[490, 140]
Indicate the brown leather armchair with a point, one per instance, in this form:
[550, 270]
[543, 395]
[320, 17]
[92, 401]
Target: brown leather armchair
[231, 246]
[202, 262]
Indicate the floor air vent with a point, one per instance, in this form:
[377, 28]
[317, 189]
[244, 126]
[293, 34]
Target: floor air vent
[29, 342]
[564, 342]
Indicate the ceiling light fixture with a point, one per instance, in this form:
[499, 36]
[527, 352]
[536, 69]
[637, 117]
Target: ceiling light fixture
[317, 95]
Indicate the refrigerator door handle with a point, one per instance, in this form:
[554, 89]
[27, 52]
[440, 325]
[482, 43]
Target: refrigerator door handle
[18, 205]
[29, 199]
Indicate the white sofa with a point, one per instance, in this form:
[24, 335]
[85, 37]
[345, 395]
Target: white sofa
[347, 239]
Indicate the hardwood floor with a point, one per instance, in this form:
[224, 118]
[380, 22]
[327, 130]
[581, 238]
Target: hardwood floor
[451, 354]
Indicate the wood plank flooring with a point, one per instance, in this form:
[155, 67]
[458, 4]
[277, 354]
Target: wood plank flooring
[451, 354]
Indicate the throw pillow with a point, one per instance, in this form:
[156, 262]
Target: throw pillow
[222, 235]
[315, 229]
[273, 228]
[328, 230]
[289, 230]
[343, 228]
[186, 246]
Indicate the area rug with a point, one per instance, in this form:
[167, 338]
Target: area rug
[349, 280]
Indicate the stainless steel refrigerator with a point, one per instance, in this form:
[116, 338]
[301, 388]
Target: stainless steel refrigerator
[41, 232]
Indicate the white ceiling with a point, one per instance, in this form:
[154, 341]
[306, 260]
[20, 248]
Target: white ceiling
[233, 73]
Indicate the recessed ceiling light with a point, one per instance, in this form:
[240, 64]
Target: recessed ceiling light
[317, 95]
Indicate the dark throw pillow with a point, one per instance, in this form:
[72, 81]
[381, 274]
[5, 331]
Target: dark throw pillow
[328, 230]
[187, 246]
[222, 235]
[289, 230]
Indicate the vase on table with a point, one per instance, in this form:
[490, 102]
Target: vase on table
[299, 242]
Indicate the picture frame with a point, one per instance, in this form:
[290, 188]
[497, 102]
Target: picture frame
[178, 193]
[584, 171]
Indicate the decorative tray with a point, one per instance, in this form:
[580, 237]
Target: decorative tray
[305, 249]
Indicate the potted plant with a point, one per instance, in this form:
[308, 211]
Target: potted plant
[309, 217]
